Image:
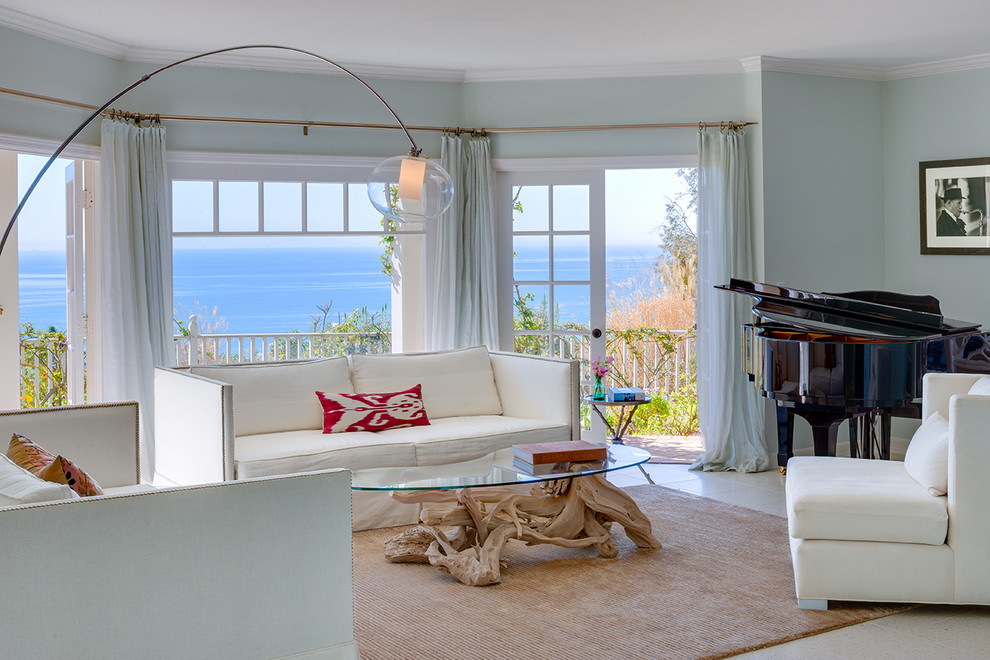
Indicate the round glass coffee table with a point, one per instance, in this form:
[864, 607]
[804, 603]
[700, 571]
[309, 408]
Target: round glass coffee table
[472, 509]
[624, 414]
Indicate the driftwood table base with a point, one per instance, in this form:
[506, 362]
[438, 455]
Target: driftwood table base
[464, 531]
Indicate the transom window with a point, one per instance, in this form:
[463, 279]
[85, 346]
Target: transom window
[227, 207]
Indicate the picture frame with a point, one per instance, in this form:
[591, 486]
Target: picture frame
[954, 205]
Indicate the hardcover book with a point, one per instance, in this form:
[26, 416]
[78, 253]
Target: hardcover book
[552, 468]
[627, 394]
[540, 453]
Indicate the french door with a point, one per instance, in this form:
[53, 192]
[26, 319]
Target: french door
[80, 182]
[552, 264]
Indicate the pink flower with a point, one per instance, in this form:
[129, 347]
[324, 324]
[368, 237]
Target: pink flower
[601, 367]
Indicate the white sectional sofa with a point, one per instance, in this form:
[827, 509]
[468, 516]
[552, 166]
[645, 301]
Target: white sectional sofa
[259, 568]
[867, 530]
[228, 422]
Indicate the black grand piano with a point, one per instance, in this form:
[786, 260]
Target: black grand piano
[859, 355]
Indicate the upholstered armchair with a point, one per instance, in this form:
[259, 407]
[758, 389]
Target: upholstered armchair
[870, 530]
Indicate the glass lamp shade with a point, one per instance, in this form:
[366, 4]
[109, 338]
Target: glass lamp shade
[410, 189]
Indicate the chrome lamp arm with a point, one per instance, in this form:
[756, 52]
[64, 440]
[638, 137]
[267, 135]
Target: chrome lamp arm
[392, 209]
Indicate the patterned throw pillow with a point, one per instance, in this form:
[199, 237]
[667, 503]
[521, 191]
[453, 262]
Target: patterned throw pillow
[63, 471]
[55, 469]
[373, 412]
[29, 455]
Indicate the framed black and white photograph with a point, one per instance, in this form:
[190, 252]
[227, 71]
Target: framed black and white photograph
[954, 206]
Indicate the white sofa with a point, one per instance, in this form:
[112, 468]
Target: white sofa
[226, 422]
[865, 530]
[254, 569]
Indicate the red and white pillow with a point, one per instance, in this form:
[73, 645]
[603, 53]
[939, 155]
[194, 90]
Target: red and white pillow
[373, 412]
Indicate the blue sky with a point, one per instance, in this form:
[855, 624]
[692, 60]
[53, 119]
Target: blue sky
[41, 225]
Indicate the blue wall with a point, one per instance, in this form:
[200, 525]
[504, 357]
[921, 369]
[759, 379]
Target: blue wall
[822, 182]
[939, 117]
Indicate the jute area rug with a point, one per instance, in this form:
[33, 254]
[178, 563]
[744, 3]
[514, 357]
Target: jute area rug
[721, 585]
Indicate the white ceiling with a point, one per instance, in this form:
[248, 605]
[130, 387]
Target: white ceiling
[520, 39]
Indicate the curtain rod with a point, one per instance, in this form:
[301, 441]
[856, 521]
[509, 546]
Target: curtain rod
[306, 124]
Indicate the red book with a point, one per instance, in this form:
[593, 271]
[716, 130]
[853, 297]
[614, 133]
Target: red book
[539, 453]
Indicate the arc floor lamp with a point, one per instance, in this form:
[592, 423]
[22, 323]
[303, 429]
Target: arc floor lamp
[410, 188]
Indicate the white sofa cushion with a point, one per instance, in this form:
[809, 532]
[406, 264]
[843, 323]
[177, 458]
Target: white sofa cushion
[130, 490]
[927, 456]
[852, 499]
[981, 387]
[455, 383]
[270, 454]
[456, 439]
[18, 486]
[280, 397]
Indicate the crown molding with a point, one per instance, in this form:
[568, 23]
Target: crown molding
[43, 147]
[941, 66]
[285, 63]
[811, 68]
[44, 29]
[62, 34]
[713, 67]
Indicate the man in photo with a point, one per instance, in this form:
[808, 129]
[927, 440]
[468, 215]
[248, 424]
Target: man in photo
[949, 222]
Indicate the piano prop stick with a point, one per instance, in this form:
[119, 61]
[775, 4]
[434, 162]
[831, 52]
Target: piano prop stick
[858, 356]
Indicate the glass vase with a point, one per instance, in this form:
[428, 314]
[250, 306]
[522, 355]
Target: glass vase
[599, 393]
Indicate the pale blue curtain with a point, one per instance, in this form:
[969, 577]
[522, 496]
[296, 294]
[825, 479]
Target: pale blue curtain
[135, 252]
[463, 305]
[730, 409]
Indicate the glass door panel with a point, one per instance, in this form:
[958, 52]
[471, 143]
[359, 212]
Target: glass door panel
[530, 208]
[571, 208]
[530, 258]
[572, 258]
[552, 264]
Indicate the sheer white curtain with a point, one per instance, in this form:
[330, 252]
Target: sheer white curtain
[135, 252]
[464, 305]
[730, 409]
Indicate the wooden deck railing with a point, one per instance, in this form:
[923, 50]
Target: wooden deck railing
[656, 362]
[195, 348]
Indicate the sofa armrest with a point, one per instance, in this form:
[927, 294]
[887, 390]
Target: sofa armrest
[537, 387]
[968, 494]
[102, 439]
[194, 429]
[938, 388]
[258, 568]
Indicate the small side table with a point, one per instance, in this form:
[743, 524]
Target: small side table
[626, 411]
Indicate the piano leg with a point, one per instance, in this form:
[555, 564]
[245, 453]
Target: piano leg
[885, 435]
[785, 436]
[824, 428]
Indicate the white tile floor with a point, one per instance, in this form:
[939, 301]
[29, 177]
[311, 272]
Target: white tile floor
[934, 631]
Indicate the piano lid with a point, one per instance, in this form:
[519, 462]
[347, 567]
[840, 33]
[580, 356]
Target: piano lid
[856, 314]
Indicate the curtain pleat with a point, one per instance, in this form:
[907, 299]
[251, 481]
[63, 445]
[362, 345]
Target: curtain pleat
[135, 252]
[730, 409]
[464, 305]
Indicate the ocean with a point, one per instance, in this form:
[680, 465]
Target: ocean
[273, 290]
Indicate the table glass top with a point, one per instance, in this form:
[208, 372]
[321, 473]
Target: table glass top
[605, 402]
[495, 469]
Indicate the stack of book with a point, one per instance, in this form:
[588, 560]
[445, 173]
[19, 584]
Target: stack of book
[625, 394]
[555, 457]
